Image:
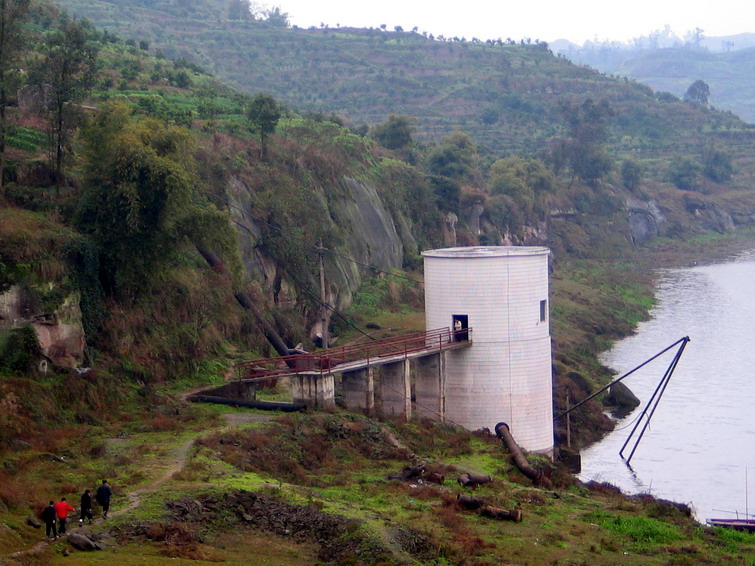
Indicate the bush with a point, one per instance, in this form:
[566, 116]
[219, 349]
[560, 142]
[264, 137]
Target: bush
[19, 351]
[685, 173]
[631, 174]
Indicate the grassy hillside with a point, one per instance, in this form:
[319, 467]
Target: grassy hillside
[326, 489]
[162, 163]
[674, 69]
[505, 95]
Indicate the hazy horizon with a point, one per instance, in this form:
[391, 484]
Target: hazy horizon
[578, 21]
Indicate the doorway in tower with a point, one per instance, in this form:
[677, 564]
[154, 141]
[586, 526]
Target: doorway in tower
[460, 326]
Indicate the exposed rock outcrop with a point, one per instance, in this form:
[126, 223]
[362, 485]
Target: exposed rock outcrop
[622, 398]
[372, 239]
[60, 334]
[708, 214]
[33, 99]
[645, 220]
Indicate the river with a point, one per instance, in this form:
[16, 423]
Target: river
[700, 446]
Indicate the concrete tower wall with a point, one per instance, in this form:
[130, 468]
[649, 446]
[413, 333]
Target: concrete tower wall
[506, 374]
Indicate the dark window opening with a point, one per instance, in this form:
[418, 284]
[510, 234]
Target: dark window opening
[543, 310]
[460, 326]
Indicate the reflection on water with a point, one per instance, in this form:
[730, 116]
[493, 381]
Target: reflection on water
[701, 438]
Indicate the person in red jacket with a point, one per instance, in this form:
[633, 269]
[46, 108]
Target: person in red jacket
[62, 508]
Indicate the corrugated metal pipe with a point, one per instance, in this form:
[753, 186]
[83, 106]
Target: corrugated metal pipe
[502, 431]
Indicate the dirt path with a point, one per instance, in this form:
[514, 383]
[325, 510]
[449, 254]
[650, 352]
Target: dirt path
[180, 457]
[176, 462]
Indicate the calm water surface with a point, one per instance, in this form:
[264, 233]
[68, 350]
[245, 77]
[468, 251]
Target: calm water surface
[700, 446]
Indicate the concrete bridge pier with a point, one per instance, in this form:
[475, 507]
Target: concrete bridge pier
[314, 391]
[241, 390]
[396, 389]
[429, 385]
[359, 390]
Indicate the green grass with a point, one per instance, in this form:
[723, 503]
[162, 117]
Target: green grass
[27, 139]
[643, 532]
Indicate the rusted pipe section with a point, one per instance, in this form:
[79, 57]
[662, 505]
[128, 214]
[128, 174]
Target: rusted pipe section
[514, 514]
[473, 480]
[502, 431]
[468, 502]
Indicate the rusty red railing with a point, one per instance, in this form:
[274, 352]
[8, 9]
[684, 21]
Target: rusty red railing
[325, 360]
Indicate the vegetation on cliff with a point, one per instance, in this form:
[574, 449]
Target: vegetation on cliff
[115, 197]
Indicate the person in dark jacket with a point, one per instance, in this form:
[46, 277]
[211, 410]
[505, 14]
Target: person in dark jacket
[103, 497]
[86, 507]
[49, 516]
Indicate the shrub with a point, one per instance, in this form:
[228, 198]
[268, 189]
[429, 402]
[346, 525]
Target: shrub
[20, 351]
[642, 530]
[684, 173]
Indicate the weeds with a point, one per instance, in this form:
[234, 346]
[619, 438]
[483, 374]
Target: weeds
[644, 532]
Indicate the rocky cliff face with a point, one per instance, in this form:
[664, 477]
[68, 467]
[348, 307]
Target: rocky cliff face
[371, 237]
[60, 333]
[646, 221]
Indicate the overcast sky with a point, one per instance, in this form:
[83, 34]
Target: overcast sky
[547, 20]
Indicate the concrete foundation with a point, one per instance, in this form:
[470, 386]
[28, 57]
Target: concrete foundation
[235, 390]
[429, 377]
[396, 389]
[359, 390]
[314, 391]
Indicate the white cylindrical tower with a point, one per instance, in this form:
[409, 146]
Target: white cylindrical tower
[501, 294]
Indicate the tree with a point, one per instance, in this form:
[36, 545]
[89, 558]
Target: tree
[68, 65]
[239, 9]
[717, 164]
[447, 192]
[455, 158]
[583, 152]
[12, 16]
[263, 114]
[490, 115]
[141, 203]
[276, 18]
[694, 37]
[685, 173]
[531, 172]
[697, 93]
[396, 133]
[521, 179]
[631, 174]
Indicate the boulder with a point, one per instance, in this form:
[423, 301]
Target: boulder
[645, 220]
[60, 334]
[619, 395]
[82, 542]
[34, 99]
[32, 521]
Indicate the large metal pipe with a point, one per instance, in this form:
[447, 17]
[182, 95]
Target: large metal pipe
[264, 405]
[246, 302]
[502, 431]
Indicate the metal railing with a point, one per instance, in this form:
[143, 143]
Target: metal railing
[370, 352]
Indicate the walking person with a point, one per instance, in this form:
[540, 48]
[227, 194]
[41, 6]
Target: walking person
[85, 509]
[62, 508]
[103, 497]
[49, 517]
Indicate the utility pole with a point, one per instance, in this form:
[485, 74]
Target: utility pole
[568, 420]
[323, 298]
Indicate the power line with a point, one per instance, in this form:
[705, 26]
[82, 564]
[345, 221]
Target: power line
[316, 249]
[312, 295]
[372, 267]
